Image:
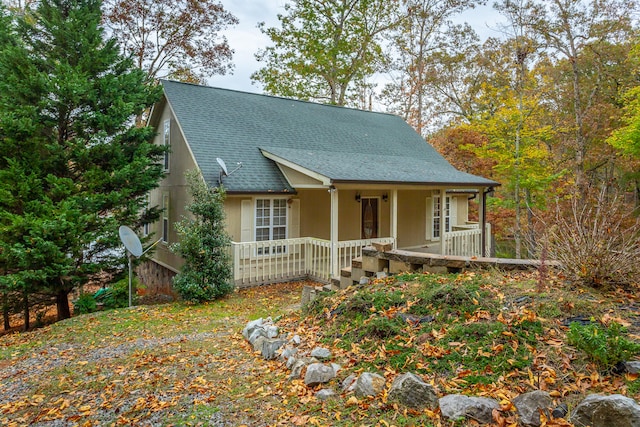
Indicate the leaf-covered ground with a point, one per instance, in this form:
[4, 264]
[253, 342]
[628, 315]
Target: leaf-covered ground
[483, 334]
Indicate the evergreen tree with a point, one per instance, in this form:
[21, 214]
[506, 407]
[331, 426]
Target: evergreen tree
[204, 242]
[73, 167]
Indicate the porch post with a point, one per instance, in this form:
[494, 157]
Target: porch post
[335, 267]
[394, 217]
[443, 220]
[482, 214]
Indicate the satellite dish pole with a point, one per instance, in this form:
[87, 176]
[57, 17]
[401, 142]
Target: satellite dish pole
[134, 249]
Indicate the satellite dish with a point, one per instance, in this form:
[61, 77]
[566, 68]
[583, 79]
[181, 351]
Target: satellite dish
[223, 166]
[130, 240]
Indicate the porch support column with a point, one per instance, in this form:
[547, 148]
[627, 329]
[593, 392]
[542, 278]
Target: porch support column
[335, 266]
[482, 216]
[443, 220]
[394, 217]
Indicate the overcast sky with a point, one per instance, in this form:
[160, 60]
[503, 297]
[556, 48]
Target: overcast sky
[245, 38]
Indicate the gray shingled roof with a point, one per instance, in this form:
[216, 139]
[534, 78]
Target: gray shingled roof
[343, 144]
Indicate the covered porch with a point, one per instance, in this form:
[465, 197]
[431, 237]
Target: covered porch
[338, 206]
[327, 228]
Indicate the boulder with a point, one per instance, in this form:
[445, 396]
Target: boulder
[319, 373]
[529, 406]
[349, 382]
[320, 353]
[369, 384]
[458, 406]
[246, 332]
[296, 368]
[270, 347]
[413, 392]
[325, 393]
[632, 367]
[597, 410]
[257, 343]
[295, 340]
[257, 332]
[272, 331]
[287, 353]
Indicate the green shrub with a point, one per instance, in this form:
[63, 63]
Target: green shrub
[204, 245]
[117, 295]
[605, 346]
[86, 303]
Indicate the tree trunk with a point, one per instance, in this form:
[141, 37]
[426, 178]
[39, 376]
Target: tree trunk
[26, 311]
[5, 311]
[62, 304]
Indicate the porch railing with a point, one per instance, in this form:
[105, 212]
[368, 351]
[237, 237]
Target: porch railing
[467, 242]
[275, 260]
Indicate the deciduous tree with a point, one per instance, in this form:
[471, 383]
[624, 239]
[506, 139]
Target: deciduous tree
[179, 39]
[427, 30]
[325, 49]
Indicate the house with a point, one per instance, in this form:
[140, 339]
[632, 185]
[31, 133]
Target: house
[308, 185]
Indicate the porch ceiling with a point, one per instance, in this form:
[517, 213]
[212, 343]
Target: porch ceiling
[330, 167]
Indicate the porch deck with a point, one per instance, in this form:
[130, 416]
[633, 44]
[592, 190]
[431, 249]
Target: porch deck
[273, 261]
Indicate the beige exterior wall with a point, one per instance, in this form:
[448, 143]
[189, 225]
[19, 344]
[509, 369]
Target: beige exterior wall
[232, 210]
[309, 211]
[175, 186]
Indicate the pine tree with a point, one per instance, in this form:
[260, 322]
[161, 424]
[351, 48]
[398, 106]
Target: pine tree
[73, 167]
[204, 242]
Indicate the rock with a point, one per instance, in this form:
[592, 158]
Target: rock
[318, 373]
[529, 406]
[290, 362]
[246, 332]
[258, 331]
[270, 346]
[632, 367]
[287, 353]
[325, 393]
[295, 340]
[336, 367]
[272, 331]
[257, 343]
[369, 384]
[413, 319]
[296, 368]
[320, 353]
[457, 406]
[413, 392]
[560, 411]
[306, 294]
[349, 382]
[364, 280]
[597, 410]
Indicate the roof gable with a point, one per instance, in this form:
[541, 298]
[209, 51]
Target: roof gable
[339, 143]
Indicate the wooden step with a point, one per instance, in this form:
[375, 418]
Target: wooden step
[356, 262]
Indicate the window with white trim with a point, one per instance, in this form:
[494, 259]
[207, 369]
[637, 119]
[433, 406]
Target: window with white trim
[271, 222]
[166, 135]
[145, 226]
[165, 218]
[437, 216]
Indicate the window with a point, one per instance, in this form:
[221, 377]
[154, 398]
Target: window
[165, 218]
[437, 217]
[167, 143]
[145, 225]
[271, 222]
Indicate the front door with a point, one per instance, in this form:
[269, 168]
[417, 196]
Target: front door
[369, 218]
